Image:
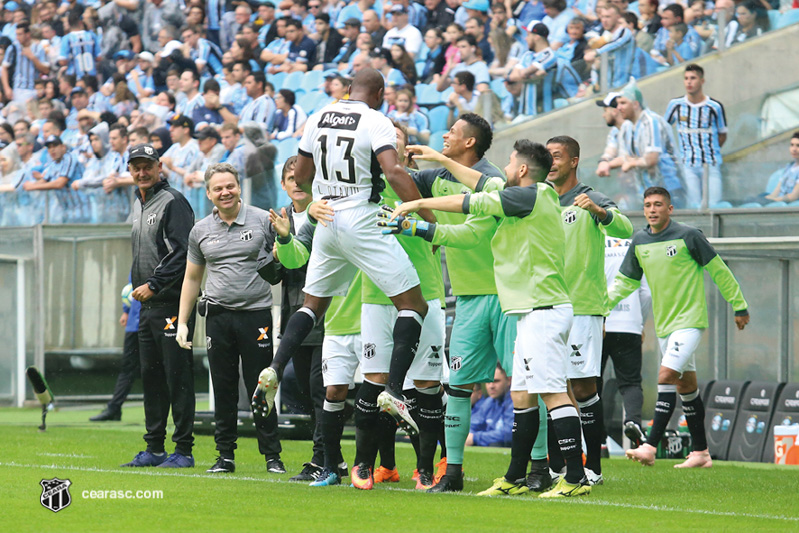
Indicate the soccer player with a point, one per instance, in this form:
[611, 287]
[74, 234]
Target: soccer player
[673, 257]
[588, 216]
[529, 249]
[340, 152]
[701, 130]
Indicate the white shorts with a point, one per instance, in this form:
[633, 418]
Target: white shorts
[340, 358]
[377, 331]
[541, 354]
[351, 242]
[678, 349]
[585, 347]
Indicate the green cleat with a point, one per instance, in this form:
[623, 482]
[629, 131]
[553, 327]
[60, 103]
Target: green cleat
[263, 399]
[564, 489]
[503, 487]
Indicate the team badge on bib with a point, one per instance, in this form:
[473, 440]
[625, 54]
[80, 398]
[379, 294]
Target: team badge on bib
[569, 217]
[671, 250]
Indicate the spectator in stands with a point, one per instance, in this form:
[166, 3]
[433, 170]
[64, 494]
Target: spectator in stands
[678, 49]
[356, 10]
[751, 22]
[140, 78]
[674, 14]
[15, 208]
[178, 158]
[452, 55]
[476, 28]
[211, 112]
[439, 15]
[160, 140]
[123, 101]
[58, 174]
[507, 52]
[101, 163]
[471, 62]
[528, 10]
[372, 25]
[620, 46]
[464, 97]
[195, 14]
[24, 62]
[80, 49]
[234, 148]
[329, 41]
[787, 190]
[436, 58]
[299, 11]
[414, 121]
[652, 152]
[116, 184]
[533, 66]
[339, 87]
[261, 108]
[241, 50]
[157, 16]
[381, 60]
[289, 117]
[301, 51]
[574, 49]
[557, 20]
[266, 22]
[232, 23]
[207, 56]
[235, 95]
[648, 23]
[404, 62]
[617, 145]
[492, 415]
[402, 33]
[347, 49]
[189, 86]
[210, 143]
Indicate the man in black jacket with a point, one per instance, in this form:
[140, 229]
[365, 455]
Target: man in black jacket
[162, 219]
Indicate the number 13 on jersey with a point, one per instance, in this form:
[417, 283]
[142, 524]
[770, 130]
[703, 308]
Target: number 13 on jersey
[337, 154]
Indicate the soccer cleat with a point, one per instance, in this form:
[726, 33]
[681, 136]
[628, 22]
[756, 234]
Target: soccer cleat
[539, 479]
[644, 454]
[309, 472]
[384, 475]
[441, 469]
[415, 475]
[503, 487]
[146, 459]
[107, 415]
[697, 460]
[634, 432]
[343, 469]
[564, 489]
[178, 460]
[263, 399]
[557, 476]
[425, 481]
[275, 466]
[593, 477]
[362, 477]
[222, 465]
[326, 478]
[447, 484]
[397, 409]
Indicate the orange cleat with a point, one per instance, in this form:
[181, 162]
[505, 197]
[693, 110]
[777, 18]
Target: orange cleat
[361, 477]
[384, 475]
[441, 469]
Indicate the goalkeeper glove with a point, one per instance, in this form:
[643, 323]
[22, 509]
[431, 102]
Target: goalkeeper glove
[404, 225]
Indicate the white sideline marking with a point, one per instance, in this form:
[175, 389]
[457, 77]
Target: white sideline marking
[73, 455]
[581, 501]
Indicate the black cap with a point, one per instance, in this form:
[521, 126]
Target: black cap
[208, 132]
[143, 151]
[611, 100]
[352, 21]
[538, 28]
[78, 90]
[53, 139]
[181, 120]
[385, 53]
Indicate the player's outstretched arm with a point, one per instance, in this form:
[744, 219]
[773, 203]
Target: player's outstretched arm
[622, 287]
[304, 172]
[450, 204]
[462, 173]
[400, 181]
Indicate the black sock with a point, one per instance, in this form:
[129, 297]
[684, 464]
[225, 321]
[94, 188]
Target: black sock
[332, 428]
[454, 471]
[366, 415]
[386, 441]
[407, 329]
[664, 408]
[694, 411]
[430, 419]
[566, 423]
[442, 438]
[556, 461]
[593, 424]
[298, 327]
[538, 465]
[525, 430]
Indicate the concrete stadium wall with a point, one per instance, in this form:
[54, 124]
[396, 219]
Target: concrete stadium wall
[738, 78]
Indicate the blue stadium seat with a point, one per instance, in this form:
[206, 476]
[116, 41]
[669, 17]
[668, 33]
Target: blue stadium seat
[773, 18]
[311, 81]
[560, 102]
[776, 204]
[437, 140]
[427, 94]
[276, 79]
[721, 205]
[292, 81]
[445, 94]
[312, 101]
[282, 199]
[419, 68]
[438, 118]
[286, 148]
[788, 18]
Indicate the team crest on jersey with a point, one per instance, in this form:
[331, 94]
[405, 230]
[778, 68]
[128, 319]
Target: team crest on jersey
[339, 121]
[151, 219]
[671, 250]
[245, 235]
[324, 367]
[455, 365]
[55, 494]
[569, 217]
[369, 350]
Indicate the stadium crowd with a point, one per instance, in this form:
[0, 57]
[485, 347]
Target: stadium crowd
[215, 81]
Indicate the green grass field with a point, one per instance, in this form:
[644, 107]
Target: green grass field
[730, 496]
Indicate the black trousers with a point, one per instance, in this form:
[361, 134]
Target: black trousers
[625, 351]
[234, 335]
[127, 374]
[308, 368]
[167, 373]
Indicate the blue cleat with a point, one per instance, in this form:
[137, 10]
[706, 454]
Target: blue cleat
[326, 479]
[177, 460]
[147, 459]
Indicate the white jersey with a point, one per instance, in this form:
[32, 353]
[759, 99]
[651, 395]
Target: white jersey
[631, 313]
[344, 139]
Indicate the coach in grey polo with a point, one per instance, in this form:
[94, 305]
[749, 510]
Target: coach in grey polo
[227, 244]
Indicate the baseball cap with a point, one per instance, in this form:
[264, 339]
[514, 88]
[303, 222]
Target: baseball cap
[632, 92]
[123, 54]
[53, 139]
[143, 151]
[381, 52]
[397, 8]
[331, 73]
[78, 90]
[181, 120]
[609, 100]
[352, 21]
[477, 5]
[208, 132]
[147, 56]
[539, 28]
[11, 6]
[170, 47]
